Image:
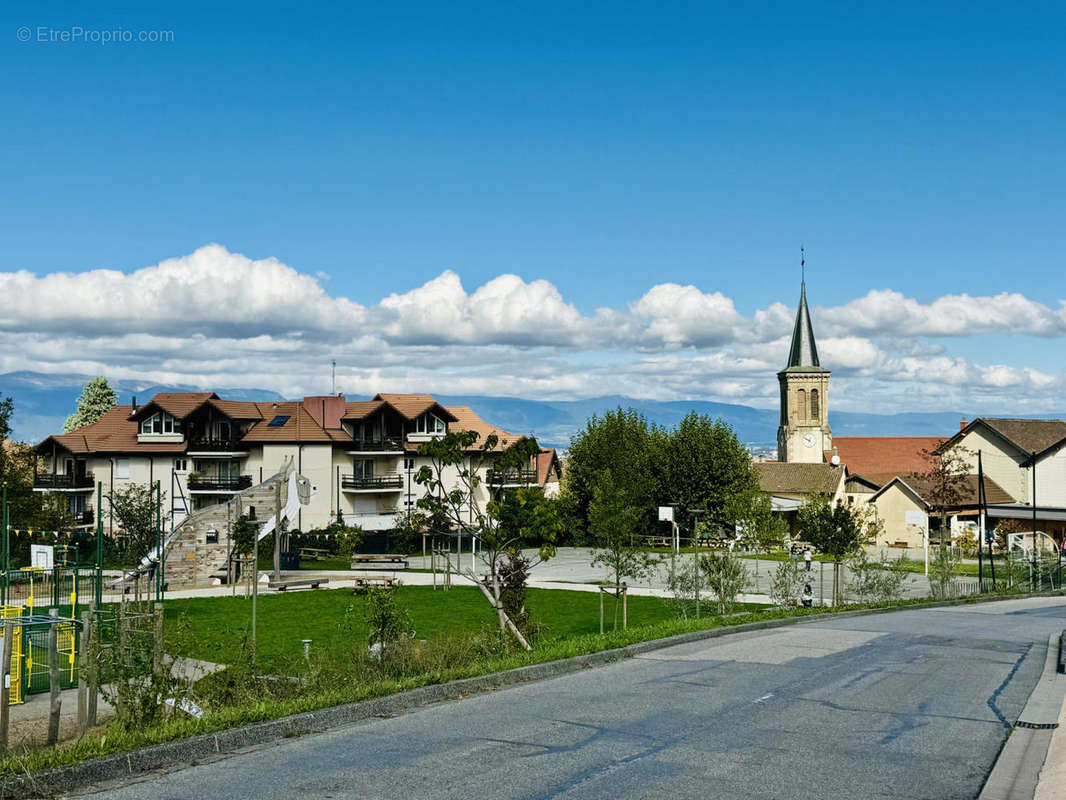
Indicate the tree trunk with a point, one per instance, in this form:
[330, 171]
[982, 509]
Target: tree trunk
[499, 610]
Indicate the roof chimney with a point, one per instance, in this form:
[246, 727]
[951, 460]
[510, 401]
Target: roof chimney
[962, 425]
[133, 405]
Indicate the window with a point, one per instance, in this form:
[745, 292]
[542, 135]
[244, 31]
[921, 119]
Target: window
[211, 537]
[251, 512]
[224, 431]
[278, 421]
[801, 404]
[181, 465]
[179, 506]
[429, 423]
[815, 406]
[408, 463]
[364, 468]
[122, 468]
[161, 423]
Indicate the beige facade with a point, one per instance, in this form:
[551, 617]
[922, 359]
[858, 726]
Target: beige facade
[804, 434]
[902, 514]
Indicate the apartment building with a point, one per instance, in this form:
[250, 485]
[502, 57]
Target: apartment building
[360, 456]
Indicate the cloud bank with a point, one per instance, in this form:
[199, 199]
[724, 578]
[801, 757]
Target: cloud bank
[215, 318]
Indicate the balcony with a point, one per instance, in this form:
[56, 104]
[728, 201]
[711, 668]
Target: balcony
[50, 482]
[511, 477]
[388, 444]
[211, 483]
[84, 518]
[375, 483]
[197, 446]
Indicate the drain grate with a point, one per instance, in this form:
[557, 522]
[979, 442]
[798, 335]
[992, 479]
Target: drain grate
[1039, 726]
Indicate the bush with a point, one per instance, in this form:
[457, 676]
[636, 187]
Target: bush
[878, 581]
[942, 568]
[786, 586]
[726, 578]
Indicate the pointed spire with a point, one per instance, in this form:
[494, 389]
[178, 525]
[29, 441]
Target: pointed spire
[804, 352]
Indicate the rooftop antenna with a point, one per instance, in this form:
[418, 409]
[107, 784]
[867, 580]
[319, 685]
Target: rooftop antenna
[333, 377]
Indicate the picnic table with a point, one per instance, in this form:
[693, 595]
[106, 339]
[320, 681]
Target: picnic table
[366, 581]
[314, 553]
[378, 559]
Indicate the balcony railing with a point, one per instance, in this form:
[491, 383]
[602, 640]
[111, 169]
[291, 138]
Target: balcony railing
[505, 477]
[47, 480]
[216, 446]
[209, 483]
[86, 517]
[388, 444]
[374, 482]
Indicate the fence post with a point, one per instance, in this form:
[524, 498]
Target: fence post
[601, 610]
[55, 703]
[83, 675]
[5, 685]
[93, 657]
[158, 653]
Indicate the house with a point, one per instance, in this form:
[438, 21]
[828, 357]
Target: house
[360, 456]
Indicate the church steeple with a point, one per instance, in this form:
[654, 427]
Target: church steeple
[804, 352]
[804, 433]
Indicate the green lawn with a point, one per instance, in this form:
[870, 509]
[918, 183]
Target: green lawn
[217, 625]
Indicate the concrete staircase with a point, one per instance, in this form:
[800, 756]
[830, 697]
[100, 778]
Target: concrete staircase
[198, 549]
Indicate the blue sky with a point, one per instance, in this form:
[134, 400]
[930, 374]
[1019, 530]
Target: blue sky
[604, 148]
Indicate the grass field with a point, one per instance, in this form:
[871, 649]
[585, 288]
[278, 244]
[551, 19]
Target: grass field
[217, 625]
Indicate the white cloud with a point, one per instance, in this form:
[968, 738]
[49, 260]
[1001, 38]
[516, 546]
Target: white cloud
[220, 319]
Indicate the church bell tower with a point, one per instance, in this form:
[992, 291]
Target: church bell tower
[804, 434]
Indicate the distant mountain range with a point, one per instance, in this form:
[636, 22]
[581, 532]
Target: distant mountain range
[43, 402]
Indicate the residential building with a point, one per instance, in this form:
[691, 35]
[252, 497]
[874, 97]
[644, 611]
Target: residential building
[360, 456]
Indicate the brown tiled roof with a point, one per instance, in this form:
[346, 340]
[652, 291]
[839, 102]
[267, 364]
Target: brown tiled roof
[968, 496]
[412, 406]
[361, 409]
[299, 427]
[786, 478]
[1030, 435]
[884, 455]
[238, 409]
[178, 404]
[114, 432]
[467, 420]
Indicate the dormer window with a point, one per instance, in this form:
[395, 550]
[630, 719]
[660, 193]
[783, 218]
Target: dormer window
[159, 424]
[428, 423]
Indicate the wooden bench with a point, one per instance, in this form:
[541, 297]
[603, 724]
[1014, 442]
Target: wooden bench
[660, 541]
[304, 583]
[314, 553]
[375, 560]
[366, 581]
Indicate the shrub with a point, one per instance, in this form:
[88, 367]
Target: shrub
[786, 586]
[726, 578]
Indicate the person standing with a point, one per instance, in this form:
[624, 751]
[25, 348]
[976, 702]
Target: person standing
[807, 557]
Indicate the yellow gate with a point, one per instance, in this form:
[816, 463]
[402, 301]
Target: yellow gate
[15, 691]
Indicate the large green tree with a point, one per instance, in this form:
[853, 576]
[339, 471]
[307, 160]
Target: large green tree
[623, 442]
[97, 398]
[707, 467]
[29, 509]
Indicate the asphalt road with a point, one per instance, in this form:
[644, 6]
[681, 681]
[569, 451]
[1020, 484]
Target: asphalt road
[911, 704]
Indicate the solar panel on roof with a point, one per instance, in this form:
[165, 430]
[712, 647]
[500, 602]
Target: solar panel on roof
[278, 421]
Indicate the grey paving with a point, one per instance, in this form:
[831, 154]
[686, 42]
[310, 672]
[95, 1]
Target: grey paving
[911, 704]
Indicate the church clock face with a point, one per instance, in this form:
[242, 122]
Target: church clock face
[808, 440]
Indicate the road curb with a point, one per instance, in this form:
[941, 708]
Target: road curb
[106, 769]
[1016, 773]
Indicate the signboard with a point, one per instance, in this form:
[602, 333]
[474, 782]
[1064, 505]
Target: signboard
[666, 513]
[915, 518]
[42, 555]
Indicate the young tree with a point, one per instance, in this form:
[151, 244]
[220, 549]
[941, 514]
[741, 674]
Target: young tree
[726, 578]
[614, 521]
[134, 507]
[453, 503]
[833, 529]
[944, 484]
[97, 398]
[757, 526]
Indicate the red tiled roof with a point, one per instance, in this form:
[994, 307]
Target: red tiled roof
[361, 409]
[178, 404]
[968, 490]
[412, 406]
[467, 420]
[889, 456]
[546, 464]
[114, 432]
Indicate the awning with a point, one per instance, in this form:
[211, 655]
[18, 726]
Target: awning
[1019, 511]
[784, 503]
